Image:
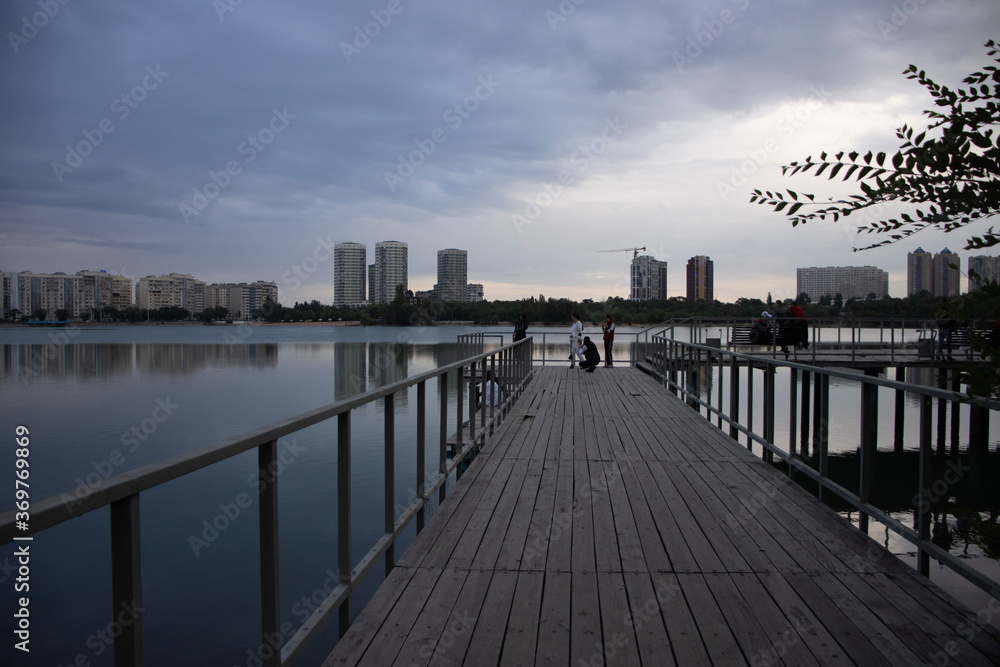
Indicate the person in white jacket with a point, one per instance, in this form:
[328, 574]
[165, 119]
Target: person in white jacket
[575, 341]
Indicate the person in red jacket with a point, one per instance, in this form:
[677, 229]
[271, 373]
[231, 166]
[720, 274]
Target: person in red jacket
[802, 331]
[609, 338]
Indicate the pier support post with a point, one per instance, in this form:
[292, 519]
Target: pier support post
[769, 380]
[270, 598]
[897, 443]
[750, 404]
[344, 514]
[869, 442]
[922, 512]
[421, 448]
[806, 390]
[734, 398]
[793, 413]
[390, 479]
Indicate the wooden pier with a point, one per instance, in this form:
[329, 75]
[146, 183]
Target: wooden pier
[606, 522]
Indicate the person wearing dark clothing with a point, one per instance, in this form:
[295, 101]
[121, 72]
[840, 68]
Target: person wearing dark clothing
[521, 328]
[609, 339]
[781, 326]
[801, 326]
[590, 356]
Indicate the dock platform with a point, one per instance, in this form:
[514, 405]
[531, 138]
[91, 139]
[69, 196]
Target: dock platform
[607, 523]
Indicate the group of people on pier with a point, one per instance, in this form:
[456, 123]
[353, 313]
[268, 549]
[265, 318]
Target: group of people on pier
[786, 326]
[580, 347]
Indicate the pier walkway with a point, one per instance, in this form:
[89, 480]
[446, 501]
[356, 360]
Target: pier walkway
[608, 523]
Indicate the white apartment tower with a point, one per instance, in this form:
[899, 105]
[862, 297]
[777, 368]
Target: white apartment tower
[390, 270]
[851, 282]
[349, 264]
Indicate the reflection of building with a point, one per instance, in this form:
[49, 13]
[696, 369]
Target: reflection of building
[649, 278]
[350, 369]
[981, 269]
[474, 292]
[700, 279]
[850, 282]
[57, 359]
[390, 269]
[452, 274]
[349, 263]
[177, 289]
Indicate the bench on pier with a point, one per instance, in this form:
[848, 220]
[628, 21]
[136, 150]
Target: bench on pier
[750, 336]
[963, 337]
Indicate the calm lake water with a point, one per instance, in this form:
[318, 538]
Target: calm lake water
[114, 399]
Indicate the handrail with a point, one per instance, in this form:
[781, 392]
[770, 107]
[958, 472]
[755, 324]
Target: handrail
[511, 366]
[682, 357]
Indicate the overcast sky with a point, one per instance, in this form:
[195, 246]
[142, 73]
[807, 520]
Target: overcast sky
[237, 139]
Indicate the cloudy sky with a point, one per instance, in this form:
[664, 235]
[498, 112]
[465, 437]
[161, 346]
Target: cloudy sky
[238, 139]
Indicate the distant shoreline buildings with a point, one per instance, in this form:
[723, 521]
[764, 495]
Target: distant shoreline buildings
[700, 279]
[850, 282]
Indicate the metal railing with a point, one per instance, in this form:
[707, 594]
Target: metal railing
[679, 362]
[511, 367]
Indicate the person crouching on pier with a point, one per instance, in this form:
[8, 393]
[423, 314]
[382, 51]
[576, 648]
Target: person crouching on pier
[590, 356]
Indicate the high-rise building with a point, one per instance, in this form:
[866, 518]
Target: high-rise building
[947, 274]
[349, 263]
[390, 270]
[27, 293]
[121, 292]
[474, 292]
[983, 268]
[453, 275]
[700, 279]
[372, 282]
[919, 272]
[649, 278]
[176, 289]
[851, 282]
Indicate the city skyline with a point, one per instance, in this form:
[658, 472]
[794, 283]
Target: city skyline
[248, 143]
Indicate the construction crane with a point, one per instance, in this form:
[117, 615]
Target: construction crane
[634, 251]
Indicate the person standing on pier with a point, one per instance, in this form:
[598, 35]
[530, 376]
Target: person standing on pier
[609, 339]
[521, 328]
[801, 326]
[575, 344]
[781, 326]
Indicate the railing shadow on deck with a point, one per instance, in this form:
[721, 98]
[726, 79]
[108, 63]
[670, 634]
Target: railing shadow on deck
[677, 364]
[510, 365]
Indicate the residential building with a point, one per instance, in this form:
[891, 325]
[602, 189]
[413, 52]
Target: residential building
[649, 278]
[240, 299]
[700, 279]
[349, 264]
[946, 274]
[919, 272]
[79, 294]
[983, 268]
[176, 289]
[474, 292]
[390, 270]
[452, 274]
[372, 286]
[851, 282]
[121, 292]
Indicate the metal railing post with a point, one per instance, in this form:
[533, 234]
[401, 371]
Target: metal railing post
[750, 368]
[770, 375]
[126, 580]
[344, 514]
[390, 479]
[443, 454]
[734, 398]
[869, 444]
[270, 598]
[806, 404]
[923, 509]
[421, 447]
[900, 415]
[793, 412]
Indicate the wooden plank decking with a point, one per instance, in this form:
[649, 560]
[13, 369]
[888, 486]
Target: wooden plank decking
[608, 523]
